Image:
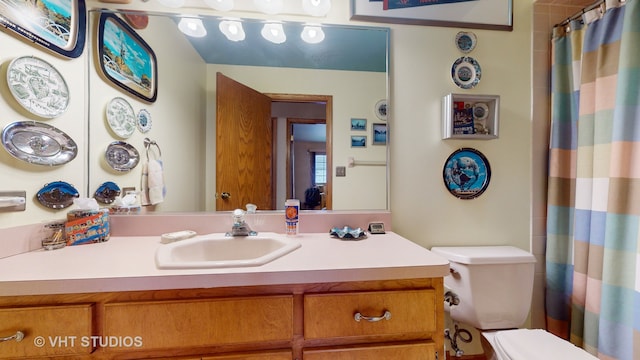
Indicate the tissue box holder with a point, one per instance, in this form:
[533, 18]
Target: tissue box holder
[87, 227]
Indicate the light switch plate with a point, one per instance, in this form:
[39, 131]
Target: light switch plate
[376, 228]
[341, 171]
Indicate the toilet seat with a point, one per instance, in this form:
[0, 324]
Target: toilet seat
[533, 344]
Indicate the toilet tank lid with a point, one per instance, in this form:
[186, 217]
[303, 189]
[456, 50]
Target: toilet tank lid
[484, 254]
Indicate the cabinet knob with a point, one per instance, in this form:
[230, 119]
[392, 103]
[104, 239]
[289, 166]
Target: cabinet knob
[19, 335]
[386, 316]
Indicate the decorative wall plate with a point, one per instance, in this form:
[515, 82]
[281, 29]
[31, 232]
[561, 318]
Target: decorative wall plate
[144, 121]
[122, 156]
[466, 72]
[121, 117]
[38, 143]
[466, 173]
[480, 111]
[37, 86]
[381, 109]
[107, 192]
[466, 41]
[57, 195]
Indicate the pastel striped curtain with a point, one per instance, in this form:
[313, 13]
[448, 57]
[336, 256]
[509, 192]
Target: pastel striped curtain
[593, 212]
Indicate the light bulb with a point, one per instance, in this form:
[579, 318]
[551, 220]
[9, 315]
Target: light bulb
[172, 3]
[220, 5]
[316, 7]
[269, 6]
[312, 34]
[232, 29]
[274, 33]
[192, 27]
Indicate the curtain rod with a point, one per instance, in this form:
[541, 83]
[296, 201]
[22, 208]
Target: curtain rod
[580, 13]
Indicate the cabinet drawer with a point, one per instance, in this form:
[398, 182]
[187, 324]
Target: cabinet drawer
[48, 330]
[333, 315]
[423, 351]
[194, 323]
[271, 355]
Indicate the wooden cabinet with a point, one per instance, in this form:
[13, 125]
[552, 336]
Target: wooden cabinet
[47, 330]
[391, 319]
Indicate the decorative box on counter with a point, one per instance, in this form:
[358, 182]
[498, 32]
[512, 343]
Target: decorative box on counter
[87, 226]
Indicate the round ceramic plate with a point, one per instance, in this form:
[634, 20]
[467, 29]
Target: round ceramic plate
[121, 118]
[466, 41]
[57, 195]
[38, 143]
[121, 156]
[466, 173]
[37, 86]
[466, 72]
[381, 109]
[144, 121]
[480, 111]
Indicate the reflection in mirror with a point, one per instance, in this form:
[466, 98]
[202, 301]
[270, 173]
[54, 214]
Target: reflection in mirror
[326, 83]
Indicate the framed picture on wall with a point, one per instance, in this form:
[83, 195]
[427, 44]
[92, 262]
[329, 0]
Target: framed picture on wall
[486, 14]
[126, 59]
[379, 133]
[358, 141]
[55, 25]
[358, 124]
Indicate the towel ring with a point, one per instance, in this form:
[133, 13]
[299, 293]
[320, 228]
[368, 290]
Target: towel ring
[147, 145]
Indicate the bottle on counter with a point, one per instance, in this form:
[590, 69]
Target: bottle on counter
[291, 216]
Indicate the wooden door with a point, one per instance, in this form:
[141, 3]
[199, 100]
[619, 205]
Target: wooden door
[244, 146]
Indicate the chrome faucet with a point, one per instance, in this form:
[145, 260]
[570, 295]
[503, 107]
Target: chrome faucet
[240, 227]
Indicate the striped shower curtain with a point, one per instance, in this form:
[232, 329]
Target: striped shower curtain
[593, 213]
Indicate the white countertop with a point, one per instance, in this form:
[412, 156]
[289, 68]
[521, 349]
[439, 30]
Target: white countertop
[127, 263]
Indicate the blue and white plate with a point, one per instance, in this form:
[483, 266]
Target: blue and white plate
[57, 195]
[466, 72]
[466, 41]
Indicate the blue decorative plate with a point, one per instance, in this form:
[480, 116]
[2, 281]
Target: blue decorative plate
[466, 72]
[466, 41]
[57, 195]
[107, 192]
[466, 173]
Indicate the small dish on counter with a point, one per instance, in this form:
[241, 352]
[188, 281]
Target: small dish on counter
[347, 233]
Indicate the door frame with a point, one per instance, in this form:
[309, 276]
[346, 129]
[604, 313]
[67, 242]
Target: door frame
[328, 101]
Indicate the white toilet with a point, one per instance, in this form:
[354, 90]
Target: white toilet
[494, 285]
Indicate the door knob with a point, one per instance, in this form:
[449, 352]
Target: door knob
[225, 195]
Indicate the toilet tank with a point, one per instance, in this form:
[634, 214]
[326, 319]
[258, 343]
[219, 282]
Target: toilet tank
[494, 285]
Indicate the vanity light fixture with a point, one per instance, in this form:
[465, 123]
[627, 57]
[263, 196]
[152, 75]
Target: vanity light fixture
[220, 5]
[271, 7]
[316, 7]
[232, 29]
[192, 27]
[172, 3]
[274, 33]
[312, 34]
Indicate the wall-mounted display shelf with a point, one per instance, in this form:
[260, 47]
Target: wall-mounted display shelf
[466, 116]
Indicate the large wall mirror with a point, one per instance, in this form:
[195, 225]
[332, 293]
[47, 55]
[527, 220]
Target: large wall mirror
[316, 92]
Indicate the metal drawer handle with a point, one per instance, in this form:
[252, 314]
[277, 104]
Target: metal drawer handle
[19, 335]
[385, 316]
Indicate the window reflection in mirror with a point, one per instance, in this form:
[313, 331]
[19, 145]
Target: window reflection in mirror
[349, 67]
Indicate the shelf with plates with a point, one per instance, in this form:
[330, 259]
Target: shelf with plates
[467, 116]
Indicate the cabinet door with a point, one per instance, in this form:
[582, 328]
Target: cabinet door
[425, 351]
[48, 330]
[198, 323]
[410, 313]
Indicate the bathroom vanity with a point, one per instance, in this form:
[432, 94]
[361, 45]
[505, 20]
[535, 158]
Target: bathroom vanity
[378, 298]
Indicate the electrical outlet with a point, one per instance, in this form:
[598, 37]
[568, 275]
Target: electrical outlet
[341, 171]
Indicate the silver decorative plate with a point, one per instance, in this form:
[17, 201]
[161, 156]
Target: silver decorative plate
[121, 117]
[38, 143]
[122, 156]
[37, 86]
[466, 72]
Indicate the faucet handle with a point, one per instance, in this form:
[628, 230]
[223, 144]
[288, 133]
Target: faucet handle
[238, 216]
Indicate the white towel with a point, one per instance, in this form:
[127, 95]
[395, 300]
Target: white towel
[155, 179]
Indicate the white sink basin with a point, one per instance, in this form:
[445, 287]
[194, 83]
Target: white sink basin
[220, 251]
